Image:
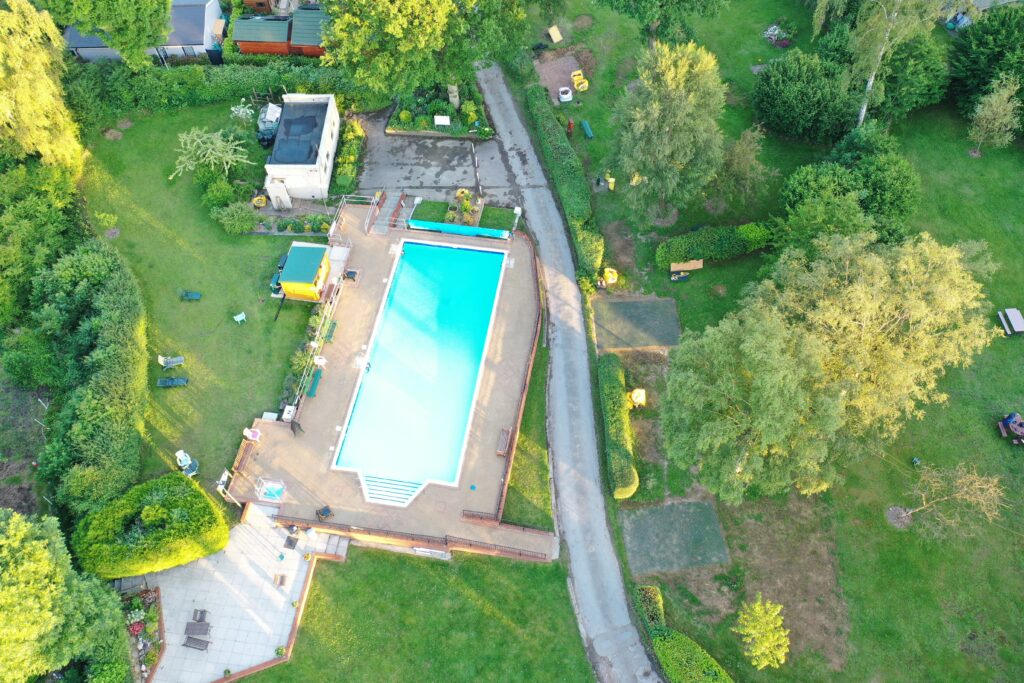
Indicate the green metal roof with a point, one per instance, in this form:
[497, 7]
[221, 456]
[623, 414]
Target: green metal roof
[261, 30]
[303, 262]
[306, 25]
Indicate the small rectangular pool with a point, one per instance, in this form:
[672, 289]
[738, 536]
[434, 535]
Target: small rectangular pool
[410, 416]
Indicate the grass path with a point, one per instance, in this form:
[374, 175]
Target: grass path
[382, 616]
[529, 490]
[235, 371]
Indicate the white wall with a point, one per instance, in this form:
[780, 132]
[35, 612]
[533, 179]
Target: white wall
[311, 181]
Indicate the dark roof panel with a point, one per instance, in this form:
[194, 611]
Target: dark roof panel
[262, 29]
[298, 136]
[307, 25]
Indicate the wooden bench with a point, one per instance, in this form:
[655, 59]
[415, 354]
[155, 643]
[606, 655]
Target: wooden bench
[1002, 428]
[504, 439]
[196, 643]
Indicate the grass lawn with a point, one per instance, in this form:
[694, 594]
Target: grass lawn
[497, 217]
[528, 502]
[430, 210]
[235, 371]
[382, 616]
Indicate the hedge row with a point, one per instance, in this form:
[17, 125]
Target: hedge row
[618, 433]
[714, 243]
[684, 661]
[570, 182]
[160, 524]
[348, 161]
[99, 92]
[651, 604]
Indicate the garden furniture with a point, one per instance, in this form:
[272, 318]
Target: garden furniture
[197, 628]
[199, 615]
[188, 295]
[1012, 320]
[315, 383]
[168, 362]
[196, 643]
[167, 382]
[324, 513]
[330, 331]
[240, 318]
[504, 440]
[588, 132]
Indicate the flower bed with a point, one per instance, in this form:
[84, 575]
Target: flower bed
[414, 114]
[144, 621]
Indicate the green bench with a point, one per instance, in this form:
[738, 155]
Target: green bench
[588, 132]
[315, 383]
[330, 331]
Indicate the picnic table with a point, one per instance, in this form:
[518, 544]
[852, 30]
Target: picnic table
[1014, 320]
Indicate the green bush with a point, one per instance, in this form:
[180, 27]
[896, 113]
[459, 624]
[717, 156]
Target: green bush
[348, 162]
[684, 661]
[405, 116]
[568, 178]
[863, 141]
[816, 180]
[916, 75]
[154, 526]
[219, 193]
[892, 187]
[713, 243]
[756, 235]
[238, 218]
[652, 605]
[993, 45]
[618, 433]
[805, 97]
[834, 46]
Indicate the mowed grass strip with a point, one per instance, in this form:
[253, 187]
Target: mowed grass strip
[383, 616]
[528, 502]
[235, 371]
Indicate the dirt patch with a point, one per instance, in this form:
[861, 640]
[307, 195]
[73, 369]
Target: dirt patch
[647, 440]
[793, 563]
[620, 245]
[715, 206]
[113, 134]
[583, 21]
[555, 67]
[720, 291]
[647, 369]
[113, 233]
[974, 153]
[663, 221]
[16, 486]
[698, 591]
[21, 439]
[125, 124]
[898, 517]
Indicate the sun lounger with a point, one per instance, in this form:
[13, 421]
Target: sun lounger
[315, 383]
[168, 362]
[197, 628]
[196, 643]
[166, 382]
[191, 296]
[330, 331]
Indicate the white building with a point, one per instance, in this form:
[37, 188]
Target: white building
[302, 160]
[194, 24]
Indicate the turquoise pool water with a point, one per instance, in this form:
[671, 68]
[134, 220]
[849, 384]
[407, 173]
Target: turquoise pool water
[410, 416]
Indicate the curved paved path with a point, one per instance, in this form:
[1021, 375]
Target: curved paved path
[595, 581]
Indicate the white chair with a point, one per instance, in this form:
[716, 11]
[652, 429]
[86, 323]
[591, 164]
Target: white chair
[240, 318]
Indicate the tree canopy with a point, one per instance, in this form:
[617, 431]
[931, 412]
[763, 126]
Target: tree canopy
[665, 20]
[60, 616]
[838, 347]
[129, 26]
[765, 641]
[33, 117]
[993, 45]
[394, 47]
[671, 146]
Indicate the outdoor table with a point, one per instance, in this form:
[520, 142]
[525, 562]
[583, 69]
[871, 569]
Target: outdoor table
[1016, 320]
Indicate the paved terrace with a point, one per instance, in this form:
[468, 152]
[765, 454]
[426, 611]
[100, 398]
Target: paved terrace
[303, 460]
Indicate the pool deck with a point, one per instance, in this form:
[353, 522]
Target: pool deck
[434, 519]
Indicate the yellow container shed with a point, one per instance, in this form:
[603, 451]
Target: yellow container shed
[306, 271]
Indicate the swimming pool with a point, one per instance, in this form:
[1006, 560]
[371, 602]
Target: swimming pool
[409, 418]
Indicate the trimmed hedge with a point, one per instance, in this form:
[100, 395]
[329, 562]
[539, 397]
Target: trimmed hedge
[99, 92]
[348, 161]
[684, 661]
[652, 605]
[712, 243]
[618, 433]
[569, 180]
[154, 526]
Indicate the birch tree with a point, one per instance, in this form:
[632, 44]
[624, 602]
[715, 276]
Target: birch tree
[882, 26]
[996, 117]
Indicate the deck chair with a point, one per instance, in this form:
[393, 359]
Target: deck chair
[196, 643]
[167, 382]
[188, 295]
[168, 362]
[240, 318]
[197, 628]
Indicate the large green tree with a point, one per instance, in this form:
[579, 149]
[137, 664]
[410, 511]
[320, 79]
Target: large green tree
[666, 19]
[836, 349]
[996, 117]
[394, 47]
[52, 615]
[33, 118]
[129, 26]
[993, 45]
[670, 144]
[882, 26]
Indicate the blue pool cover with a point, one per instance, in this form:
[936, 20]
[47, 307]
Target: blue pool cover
[413, 406]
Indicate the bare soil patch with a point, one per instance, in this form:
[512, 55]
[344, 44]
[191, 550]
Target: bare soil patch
[16, 487]
[720, 291]
[794, 564]
[647, 369]
[898, 517]
[113, 134]
[21, 439]
[647, 439]
[554, 67]
[113, 233]
[125, 124]
[663, 221]
[583, 21]
[620, 245]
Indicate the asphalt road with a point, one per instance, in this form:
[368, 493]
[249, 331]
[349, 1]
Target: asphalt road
[595, 580]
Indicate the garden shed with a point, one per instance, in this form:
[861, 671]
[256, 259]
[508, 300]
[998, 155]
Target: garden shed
[307, 30]
[302, 160]
[306, 271]
[262, 35]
